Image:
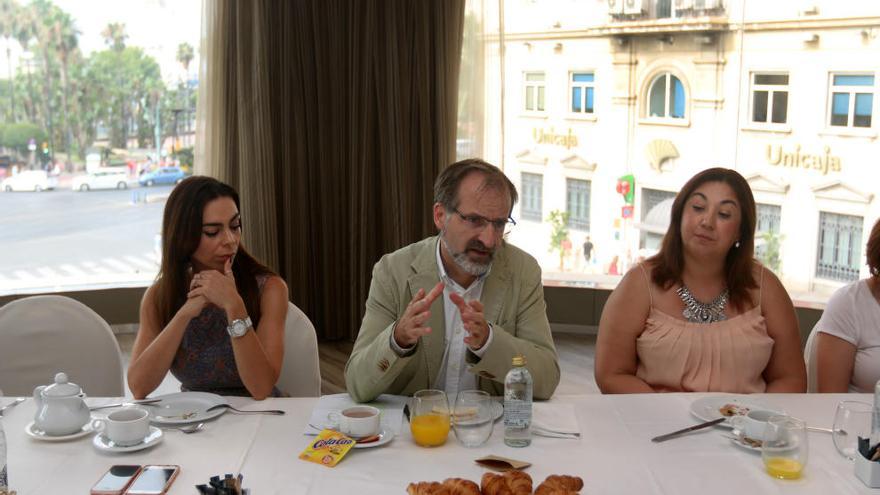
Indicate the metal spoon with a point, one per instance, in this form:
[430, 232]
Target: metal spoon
[186, 429]
[241, 411]
[12, 404]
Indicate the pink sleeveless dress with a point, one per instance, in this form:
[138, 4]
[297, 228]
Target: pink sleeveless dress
[724, 356]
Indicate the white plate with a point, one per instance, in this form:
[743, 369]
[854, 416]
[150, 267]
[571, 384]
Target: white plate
[101, 442]
[709, 408]
[385, 436]
[34, 432]
[184, 408]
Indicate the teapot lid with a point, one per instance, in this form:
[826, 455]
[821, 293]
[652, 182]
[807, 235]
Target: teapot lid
[61, 387]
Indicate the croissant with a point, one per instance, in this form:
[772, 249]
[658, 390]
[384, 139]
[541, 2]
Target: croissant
[427, 488]
[460, 486]
[560, 485]
[509, 483]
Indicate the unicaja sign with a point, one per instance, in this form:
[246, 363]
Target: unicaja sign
[777, 156]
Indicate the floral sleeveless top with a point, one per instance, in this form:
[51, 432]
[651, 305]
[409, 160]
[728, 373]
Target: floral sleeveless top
[204, 361]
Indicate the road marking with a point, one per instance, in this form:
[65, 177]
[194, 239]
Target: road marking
[91, 265]
[147, 264]
[22, 275]
[72, 270]
[48, 272]
[118, 265]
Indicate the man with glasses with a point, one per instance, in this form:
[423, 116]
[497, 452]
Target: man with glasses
[451, 311]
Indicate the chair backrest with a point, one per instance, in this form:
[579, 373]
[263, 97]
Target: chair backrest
[300, 373]
[42, 335]
[810, 361]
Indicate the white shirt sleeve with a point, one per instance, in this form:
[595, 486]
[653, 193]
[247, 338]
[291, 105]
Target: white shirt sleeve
[838, 318]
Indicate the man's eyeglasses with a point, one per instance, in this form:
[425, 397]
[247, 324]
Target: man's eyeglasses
[479, 222]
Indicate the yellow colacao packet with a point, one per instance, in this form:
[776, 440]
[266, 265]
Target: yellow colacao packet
[328, 448]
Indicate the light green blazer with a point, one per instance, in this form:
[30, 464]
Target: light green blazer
[513, 302]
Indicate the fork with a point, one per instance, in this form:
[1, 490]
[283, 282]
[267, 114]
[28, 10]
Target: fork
[12, 404]
[240, 411]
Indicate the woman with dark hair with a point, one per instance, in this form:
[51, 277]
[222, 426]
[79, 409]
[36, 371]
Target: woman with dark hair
[702, 315]
[215, 315]
[848, 341]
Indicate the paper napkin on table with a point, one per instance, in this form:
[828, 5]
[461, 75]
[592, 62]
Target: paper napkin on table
[390, 405]
[554, 419]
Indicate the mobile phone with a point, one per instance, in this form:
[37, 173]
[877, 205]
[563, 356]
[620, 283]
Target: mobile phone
[153, 480]
[115, 480]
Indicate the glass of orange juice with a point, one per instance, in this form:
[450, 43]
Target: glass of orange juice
[430, 418]
[784, 447]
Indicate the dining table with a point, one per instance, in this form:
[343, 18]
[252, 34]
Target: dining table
[613, 455]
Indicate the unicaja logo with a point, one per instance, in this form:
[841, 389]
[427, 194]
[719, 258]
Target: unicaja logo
[777, 156]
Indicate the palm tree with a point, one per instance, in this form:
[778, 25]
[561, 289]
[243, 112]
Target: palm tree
[64, 35]
[185, 54]
[24, 32]
[8, 10]
[115, 36]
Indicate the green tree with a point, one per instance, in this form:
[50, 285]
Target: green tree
[185, 54]
[17, 137]
[114, 36]
[8, 12]
[769, 254]
[558, 232]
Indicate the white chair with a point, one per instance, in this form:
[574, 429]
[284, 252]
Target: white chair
[42, 335]
[300, 373]
[810, 361]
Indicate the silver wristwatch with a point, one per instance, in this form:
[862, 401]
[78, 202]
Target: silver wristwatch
[239, 327]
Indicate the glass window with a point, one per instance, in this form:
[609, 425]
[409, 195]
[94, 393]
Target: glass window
[534, 91]
[666, 97]
[770, 98]
[532, 196]
[767, 232]
[101, 98]
[840, 247]
[577, 203]
[582, 92]
[656, 208]
[852, 100]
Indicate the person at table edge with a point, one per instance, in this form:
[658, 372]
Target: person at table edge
[451, 311]
[657, 333]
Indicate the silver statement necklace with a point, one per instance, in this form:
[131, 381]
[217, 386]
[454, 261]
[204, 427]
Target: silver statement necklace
[698, 312]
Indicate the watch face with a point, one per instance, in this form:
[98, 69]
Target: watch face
[239, 327]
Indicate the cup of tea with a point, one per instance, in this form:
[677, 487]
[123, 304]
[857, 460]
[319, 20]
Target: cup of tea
[125, 427]
[356, 421]
[752, 424]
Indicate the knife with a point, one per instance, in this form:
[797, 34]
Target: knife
[145, 402]
[663, 438]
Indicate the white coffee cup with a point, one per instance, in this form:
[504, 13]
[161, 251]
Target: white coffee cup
[752, 425]
[356, 421]
[125, 427]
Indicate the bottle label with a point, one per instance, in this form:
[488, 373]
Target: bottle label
[3, 482]
[517, 413]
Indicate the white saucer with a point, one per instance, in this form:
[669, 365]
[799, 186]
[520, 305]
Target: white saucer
[385, 436]
[101, 442]
[739, 441]
[39, 434]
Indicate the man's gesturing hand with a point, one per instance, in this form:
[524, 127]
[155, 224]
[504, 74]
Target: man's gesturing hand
[411, 325]
[473, 321]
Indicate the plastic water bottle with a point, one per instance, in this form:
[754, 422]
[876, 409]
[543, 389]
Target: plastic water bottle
[518, 404]
[3, 481]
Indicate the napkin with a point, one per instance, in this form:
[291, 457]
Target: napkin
[390, 405]
[554, 420]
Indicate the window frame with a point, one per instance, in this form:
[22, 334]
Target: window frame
[538, 86]
[771, 89]
[578, 223]
[585, 87]
[855, 250]
[530, 214]
[851, 91]
[647, 118]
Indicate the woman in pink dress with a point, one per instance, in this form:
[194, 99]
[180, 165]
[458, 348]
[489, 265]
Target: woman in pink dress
[702, 315]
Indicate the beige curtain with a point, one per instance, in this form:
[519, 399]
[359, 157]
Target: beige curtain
[331, 118]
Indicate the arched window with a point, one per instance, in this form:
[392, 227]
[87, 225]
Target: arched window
[666, 98]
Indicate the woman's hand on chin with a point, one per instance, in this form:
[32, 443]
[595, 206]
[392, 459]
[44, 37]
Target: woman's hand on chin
[215, 287]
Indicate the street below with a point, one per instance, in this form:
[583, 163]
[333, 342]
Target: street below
[66, 240]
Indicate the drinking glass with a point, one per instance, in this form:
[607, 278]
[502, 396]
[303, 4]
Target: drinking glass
[851, 421]
[430, 418]
[784, 447]
[472, 417]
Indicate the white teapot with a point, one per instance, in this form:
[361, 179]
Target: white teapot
[60, 407]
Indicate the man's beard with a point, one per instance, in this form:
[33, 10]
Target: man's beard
[461, 259]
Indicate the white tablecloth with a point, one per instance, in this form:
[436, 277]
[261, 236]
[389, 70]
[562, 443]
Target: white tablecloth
[613, 456]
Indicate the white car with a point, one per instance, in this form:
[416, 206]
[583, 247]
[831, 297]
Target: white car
[29, 180]
[101, 179]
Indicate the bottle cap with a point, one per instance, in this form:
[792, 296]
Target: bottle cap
[519, 360]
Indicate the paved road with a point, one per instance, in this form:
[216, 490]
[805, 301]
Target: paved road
[65, 239]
